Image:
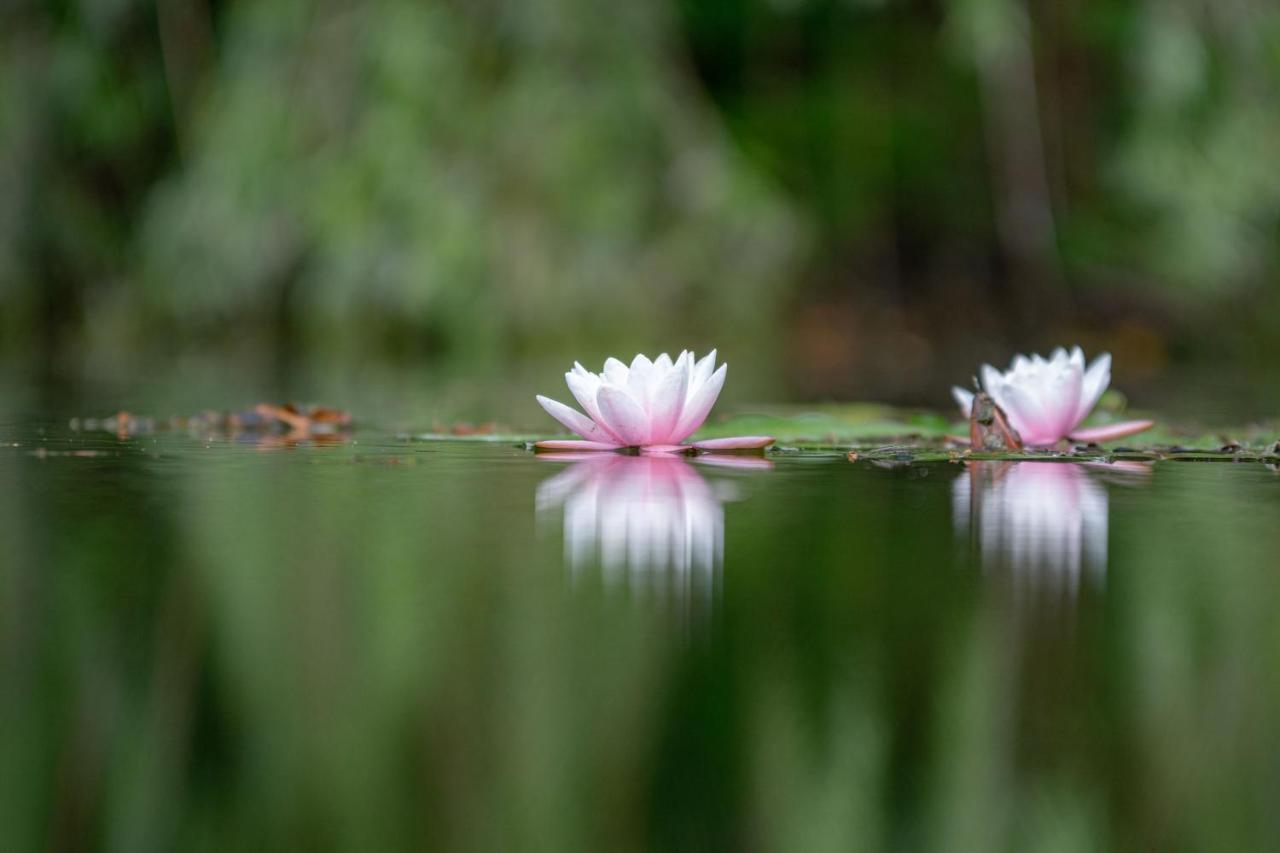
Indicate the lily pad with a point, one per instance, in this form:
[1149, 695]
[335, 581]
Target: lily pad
[881, 433]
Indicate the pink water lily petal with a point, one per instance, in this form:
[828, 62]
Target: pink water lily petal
[964, 399]
[1027, 416]
[702, 370]
[1062, 394]
[1096, 379]
[662, 449]
[584, 386]
[741, 442]
[640, 380]
[615, 372]
[666, 405]
[573, 420]
[623, 414]
[699, 404]
[1111, 432]
[568, 444]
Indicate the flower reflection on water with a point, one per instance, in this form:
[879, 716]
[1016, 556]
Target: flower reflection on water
[650, 522]
[1044, 523]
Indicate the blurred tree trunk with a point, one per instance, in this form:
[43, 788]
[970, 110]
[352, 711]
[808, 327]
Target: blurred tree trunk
[997, 36]
[186, 42]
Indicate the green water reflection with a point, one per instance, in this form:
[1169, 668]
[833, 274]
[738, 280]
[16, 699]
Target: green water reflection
[389, 645]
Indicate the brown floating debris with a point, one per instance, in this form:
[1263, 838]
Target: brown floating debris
[267, 424]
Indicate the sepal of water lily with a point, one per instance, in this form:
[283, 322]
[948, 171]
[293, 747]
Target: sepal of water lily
[1110, 432]
[575, 445]
[1047, 400]
[654, 405]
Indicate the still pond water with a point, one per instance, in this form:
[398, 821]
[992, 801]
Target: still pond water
[381, 644]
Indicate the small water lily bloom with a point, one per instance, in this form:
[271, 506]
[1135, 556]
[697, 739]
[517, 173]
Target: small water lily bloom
[1046, 400]
[653, 405]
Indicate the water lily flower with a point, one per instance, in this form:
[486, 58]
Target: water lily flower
[654, 405]
[1046, 400]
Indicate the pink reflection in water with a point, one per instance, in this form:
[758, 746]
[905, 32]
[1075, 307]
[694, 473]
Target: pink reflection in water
[1043, 522]
[647, 521]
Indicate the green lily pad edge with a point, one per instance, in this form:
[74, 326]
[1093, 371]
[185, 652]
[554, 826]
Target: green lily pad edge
[875, 431]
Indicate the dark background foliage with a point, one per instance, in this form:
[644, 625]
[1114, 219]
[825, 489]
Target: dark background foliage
[870, 192]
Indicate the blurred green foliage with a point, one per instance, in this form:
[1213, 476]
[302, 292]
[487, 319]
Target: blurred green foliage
[511, 169]
[409, 180]
[1151, 123]
[398, 177]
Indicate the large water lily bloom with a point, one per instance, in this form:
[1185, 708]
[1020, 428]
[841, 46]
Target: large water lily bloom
[654, 405]
[1046, 400]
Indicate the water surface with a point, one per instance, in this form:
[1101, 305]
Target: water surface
[218, 642]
